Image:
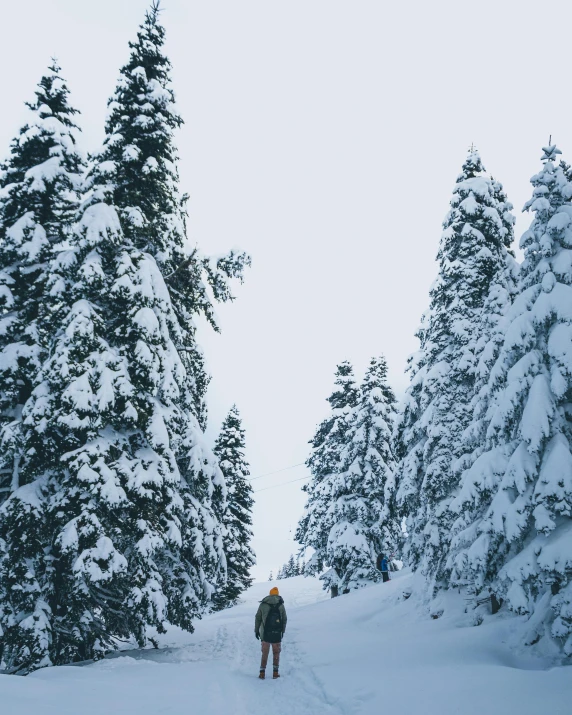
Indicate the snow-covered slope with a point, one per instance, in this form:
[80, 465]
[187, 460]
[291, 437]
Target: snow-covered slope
[365, 653]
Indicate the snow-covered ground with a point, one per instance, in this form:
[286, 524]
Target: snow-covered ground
[365, 653]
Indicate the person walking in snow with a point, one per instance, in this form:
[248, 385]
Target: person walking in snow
[383, 566]
[269, 628]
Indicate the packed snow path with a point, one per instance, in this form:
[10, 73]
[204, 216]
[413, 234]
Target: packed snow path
[363, 654]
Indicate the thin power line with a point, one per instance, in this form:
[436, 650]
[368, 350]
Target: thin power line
[276, 472]
[280, 485]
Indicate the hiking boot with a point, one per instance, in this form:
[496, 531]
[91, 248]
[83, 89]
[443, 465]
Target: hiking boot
[262, 674]
[275, 674]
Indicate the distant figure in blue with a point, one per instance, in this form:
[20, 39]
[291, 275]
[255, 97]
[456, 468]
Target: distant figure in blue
[383, 565]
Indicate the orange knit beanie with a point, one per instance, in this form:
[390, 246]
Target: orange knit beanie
[274, 591]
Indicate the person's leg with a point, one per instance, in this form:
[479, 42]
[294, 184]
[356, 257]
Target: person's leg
[276, 648]
[385, 575]
[265, 652]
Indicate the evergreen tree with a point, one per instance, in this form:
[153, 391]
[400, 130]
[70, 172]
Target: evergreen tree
[291, 568]
[237, 518]
[137, 169]
[38, 199]
[489, 340]
[99, 434]
[327, 445]
[520, 486]
[438, 405]
[360, 522]
[372, 448]
[122, 496]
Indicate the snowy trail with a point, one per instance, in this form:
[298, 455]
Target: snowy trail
[362, 654]
[231, 656]
[208, 672]
[234, 654]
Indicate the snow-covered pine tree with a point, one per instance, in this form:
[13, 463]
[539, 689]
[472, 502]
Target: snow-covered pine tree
[488, 344]
[522, 543]
[97, 437]
[38, 199]
[237, 517]
[489, 336]
[290, 567]
[360, 521]
[437, 407]
[137, 169]
[113, 432]
[327, 445]
[138, 164]
[131, 543]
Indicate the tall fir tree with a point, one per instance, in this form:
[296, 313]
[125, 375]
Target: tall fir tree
[360, 522]
[38, 200]
[327, 445]
[137, 168]
[237, 517]
[519, 490]
[489, 335]
[39, 186]
[488, 344]
[438, 405]
[136, 171]
[100, 430]
[372, 450]
[127, 495]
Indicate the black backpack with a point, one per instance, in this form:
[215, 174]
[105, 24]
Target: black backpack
[273, 624]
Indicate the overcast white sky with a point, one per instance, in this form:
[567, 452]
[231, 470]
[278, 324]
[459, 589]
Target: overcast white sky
[323, 137]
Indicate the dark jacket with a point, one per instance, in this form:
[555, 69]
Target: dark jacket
[264, 610]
